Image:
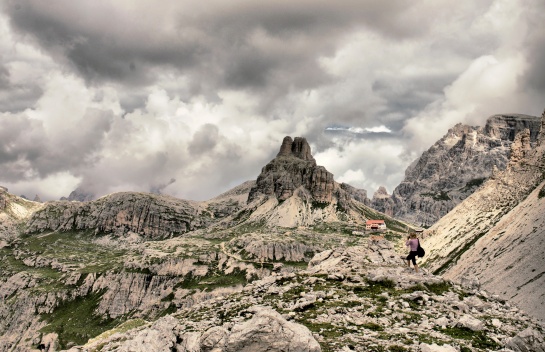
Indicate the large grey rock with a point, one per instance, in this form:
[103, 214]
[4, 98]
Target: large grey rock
[471, 323]
[161, 336]
[528, 340]
[383, 202]
[152, 216]
[424, 347]
[268, 331]
[292, 168]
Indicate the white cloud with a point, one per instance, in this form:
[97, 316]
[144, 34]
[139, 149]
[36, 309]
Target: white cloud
[206, 99]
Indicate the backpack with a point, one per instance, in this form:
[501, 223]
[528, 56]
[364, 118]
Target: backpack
[420, 252]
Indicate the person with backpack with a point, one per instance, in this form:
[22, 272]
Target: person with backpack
[413, 243]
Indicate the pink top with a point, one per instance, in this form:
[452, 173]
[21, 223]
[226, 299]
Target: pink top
[413, 243]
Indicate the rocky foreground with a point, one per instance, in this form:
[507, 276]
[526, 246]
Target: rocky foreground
[357, 298]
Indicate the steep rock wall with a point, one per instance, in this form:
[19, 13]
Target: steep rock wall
[456, 165]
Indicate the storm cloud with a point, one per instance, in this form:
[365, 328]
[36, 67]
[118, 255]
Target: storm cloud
[129, 95]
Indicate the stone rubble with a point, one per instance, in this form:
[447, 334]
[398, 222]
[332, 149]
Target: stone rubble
[353, 310]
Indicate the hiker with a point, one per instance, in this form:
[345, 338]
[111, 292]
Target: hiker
[412, 243]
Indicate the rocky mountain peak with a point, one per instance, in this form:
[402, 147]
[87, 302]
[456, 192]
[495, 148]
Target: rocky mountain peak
[80, 195]
[294, 167]
[457, 164]
[297, 147]
[381, 193]
[382, 201]
[507, 126]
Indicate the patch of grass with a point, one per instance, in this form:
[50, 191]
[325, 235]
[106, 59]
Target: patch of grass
[438, 288]
[124, 327]
[373, 288]
[373, 326]
[74, 248]
[76, 322]
[168, 297]
[478, 338]
[299, 265]
[168, 310]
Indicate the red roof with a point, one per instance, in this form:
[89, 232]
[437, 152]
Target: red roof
[370, 222]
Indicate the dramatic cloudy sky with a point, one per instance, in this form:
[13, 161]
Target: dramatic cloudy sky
[192, 98]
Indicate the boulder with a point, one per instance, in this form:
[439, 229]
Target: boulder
[528, 340]
[424, 347]
[269, 331]
[469, 322]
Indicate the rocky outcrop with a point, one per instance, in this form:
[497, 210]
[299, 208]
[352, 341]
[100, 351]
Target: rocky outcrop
[257, 248]
[456, 165]
[526, 341]
[298, 148]
[80, 195]
[496, 234]
[292, 168]
[383, 202]
[357, 194]
[151, 216]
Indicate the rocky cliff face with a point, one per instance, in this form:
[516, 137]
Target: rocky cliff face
[152, 216]
[293, 191]
[292, 168]
[497, 234]
[356, 193]
[456, 166]
[383, 202]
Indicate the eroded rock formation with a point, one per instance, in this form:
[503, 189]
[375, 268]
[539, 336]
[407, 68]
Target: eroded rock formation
[292, 168]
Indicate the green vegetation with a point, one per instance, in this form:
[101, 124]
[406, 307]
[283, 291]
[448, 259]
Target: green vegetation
[76, 249]
[75, 321]
[319, 205]
[213, 280]
[478, 338]
[374, 288]
[438, 288]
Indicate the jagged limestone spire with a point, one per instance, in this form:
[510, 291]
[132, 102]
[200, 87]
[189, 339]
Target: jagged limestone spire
[297, 147]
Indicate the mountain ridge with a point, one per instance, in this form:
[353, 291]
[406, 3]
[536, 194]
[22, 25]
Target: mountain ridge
[497, 231]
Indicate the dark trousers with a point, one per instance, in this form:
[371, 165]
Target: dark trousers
[412, 256]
